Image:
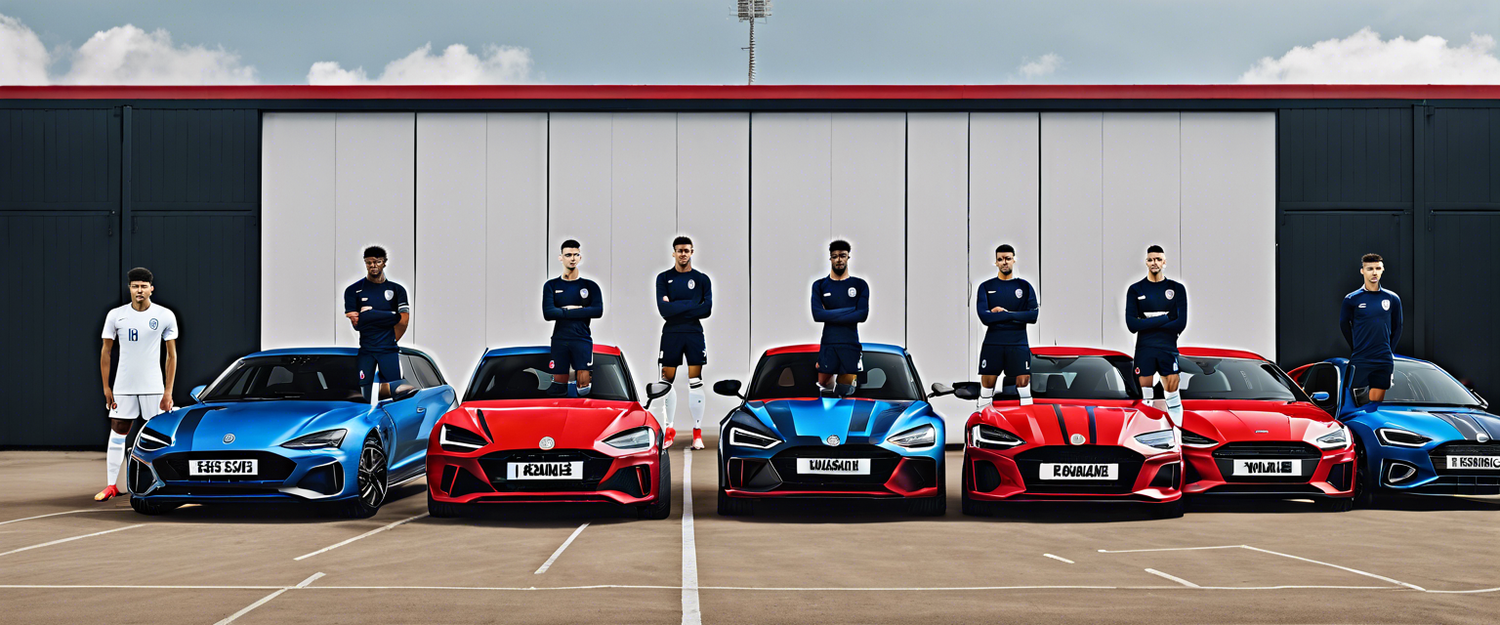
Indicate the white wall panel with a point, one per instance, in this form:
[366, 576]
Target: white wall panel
[868, 209]
[1071, 234]
[579, 203]
[520, 255]
[375, 201]
[713, 207]
[451, 241]
[301, 302]
[790, 228]
[1142, 185]
[1229, 230]
[1004, 206]
[644, 195]
[937, 288]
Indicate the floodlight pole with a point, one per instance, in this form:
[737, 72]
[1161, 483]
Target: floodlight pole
[752, 51]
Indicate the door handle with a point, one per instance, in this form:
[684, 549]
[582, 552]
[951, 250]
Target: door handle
[421, 409]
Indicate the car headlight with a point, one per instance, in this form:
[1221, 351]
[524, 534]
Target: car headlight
[1160, 439]
[991, 437]
[458, 440]
[1333, 440]
[920, 436]
[741, 437]
[317, 440]
[1190, 439]
[151, 440]
[638, 438]
[1401, 438]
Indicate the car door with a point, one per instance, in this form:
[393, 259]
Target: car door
[434, 400]
[1324, 377]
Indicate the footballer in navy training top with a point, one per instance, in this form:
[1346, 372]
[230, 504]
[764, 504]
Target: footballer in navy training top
[1005, 305]
[840, 302]
[570, 302]
[1156, 311]
[1371, 320]
[380, 311]
[684, 297]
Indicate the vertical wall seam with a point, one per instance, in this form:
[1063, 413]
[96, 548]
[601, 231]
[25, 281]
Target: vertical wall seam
[335, 263]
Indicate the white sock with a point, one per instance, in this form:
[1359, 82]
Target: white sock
[114, 456]
[696, 400]
[1148, 392]
[1025, 393]
[986, 396]
[1174, 407]
[584, 390]
[671, 414]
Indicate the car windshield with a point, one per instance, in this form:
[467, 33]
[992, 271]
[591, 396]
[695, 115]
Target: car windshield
[784, 376]
[1081, 377]
[525, 376]
[1235, 378]
[1421, 384]
[315, 377]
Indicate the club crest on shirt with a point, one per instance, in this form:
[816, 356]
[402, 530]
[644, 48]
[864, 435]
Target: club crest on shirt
[1361, 304]
[692, 284]
[1171, 294]
[1384, 304]
[1018, 293]
[983, 363]
[852, 291]
[583, 292]
[389, 295]
[154, 324]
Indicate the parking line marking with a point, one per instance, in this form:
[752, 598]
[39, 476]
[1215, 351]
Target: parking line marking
[559, 551]
[310, 579]
[1341, 568]
[691, 613]
[72, 538]
[1059, 558]
[1173, 578]
[43, 516]
[740, 588]
[1172, 549]
[364, 535]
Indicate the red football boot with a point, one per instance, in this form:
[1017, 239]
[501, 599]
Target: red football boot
[669, 436]
[108, 493]
[697, 438]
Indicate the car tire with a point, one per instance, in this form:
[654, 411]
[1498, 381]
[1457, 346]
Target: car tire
[735, 506]
[662, 507]
[1170, 510]
[936, 505]
[1364, 485]
[442, 509]
[1336, 504]
[152, 508]
[371, 481]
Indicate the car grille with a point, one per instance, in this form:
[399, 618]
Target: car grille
[271, 467]
[1030, 464]
[882, 463]
[1439, 456]
[1226, 454]
[1460, 485]
[595, 465]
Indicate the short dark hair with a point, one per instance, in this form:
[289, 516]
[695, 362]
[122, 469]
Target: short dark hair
[139, 274]
[681, 241]
[1155, 249]
[1004, 247]
[838, 245]
[374, 251]
[573, 243]
[1371, 258]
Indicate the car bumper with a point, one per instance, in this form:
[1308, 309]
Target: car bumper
[480, 477]
[1324, 474]
[282, 476]
[1423, 470]
[891, 474]
[1001, 475]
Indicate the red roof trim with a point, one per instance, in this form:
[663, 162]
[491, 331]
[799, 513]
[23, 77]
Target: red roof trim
[758, 92]
[793, 349]
[1214, 352]
[600, 348]
[1075, 351]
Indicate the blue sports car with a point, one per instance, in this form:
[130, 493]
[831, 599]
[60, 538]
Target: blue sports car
[290, 425]
[881, 441]
[1430, 436]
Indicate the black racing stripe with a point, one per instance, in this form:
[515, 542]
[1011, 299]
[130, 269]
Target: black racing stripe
[859, 417]
[189, 424]
[1465, 428]
[1061, 424]
[781, 416]
[1093, 427]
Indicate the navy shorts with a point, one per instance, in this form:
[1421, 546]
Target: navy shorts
[677, 345]
[1373, 375]
[388, 363]
[1155, 361]
[840, 359]
[1010, 360]
[575, 354]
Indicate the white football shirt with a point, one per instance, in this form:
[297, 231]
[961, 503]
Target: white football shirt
[139, 335]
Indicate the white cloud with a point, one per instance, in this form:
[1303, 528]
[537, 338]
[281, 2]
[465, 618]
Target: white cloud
[1364, 58]
[455, 66]
[1044, 66]
[126, 55]
[23, 58]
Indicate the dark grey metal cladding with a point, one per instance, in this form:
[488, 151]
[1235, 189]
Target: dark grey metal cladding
[197, 159]
[1463, 163]
[1464, 337]
[59, 159]
[1344, 155]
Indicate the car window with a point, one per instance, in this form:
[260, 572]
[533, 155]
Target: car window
[1081, 377]
[425, 368]
[1235, 378]
[1421, 384]
[526, 376]
[305, 377]
[788, 375]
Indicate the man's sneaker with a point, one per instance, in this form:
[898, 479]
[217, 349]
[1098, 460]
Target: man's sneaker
[669, 434]
[697, 438]
[108, 493]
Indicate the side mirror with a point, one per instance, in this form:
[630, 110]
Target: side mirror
[1484, 404]
[966, 390]
[1321, 396]
[939, 389]
[656, 390]
[404, 392]
[728, 388]
[197, 390]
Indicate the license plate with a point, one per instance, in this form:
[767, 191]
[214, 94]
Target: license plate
[1078, 471]
[833, 466]
[221, 467]
[544, 471]
[1482, 463]
[1251, 468]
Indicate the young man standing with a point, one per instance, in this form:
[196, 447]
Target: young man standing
[840, 302]
[140, 391]
[1371, 322]
[1006, 304]
[380, 311]
[684, 297]
[571, 302]
[1156, 311]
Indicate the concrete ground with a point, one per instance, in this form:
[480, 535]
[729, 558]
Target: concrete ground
[65, 559]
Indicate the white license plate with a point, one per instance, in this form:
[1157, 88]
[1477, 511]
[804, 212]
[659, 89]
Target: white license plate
[1273, 467]
[1079, 471]
[221, 467]
[1481, 463]
[544, 471]
[833, 466]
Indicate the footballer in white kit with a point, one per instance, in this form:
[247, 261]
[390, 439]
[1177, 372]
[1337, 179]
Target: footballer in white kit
[140, 390]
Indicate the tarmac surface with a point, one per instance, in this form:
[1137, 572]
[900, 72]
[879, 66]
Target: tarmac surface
[66, 559]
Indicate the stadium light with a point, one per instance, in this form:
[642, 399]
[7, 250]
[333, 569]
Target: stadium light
[749, 11]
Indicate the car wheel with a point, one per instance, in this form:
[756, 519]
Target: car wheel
[152, 508]
[1171, 510]
[1364, 483]
[735, 506]
[662, 507]
[1336, 504]
[931, 506]
[442, 509]
[371, 481]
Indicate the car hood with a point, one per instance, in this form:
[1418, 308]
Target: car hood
[571, 423]
[255, 425]
[1057, 423]
[1253, 420]
[1436, 423]
[854, 421]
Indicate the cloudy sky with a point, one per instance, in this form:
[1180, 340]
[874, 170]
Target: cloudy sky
[699, 42]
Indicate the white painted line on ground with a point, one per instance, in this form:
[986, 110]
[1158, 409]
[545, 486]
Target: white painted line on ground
[1172, 549]
[364, 535]
[1173, 578]
[1464, 592]
[43, 516]
[691, 614]
[310, 579]
[569, 541]
[1059, 558]
[1341, 568]
[64, 540]
[736, 588]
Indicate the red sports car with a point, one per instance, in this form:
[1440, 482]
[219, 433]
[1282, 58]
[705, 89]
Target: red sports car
[1249, 430]
[1088, 437]
[513, 439]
